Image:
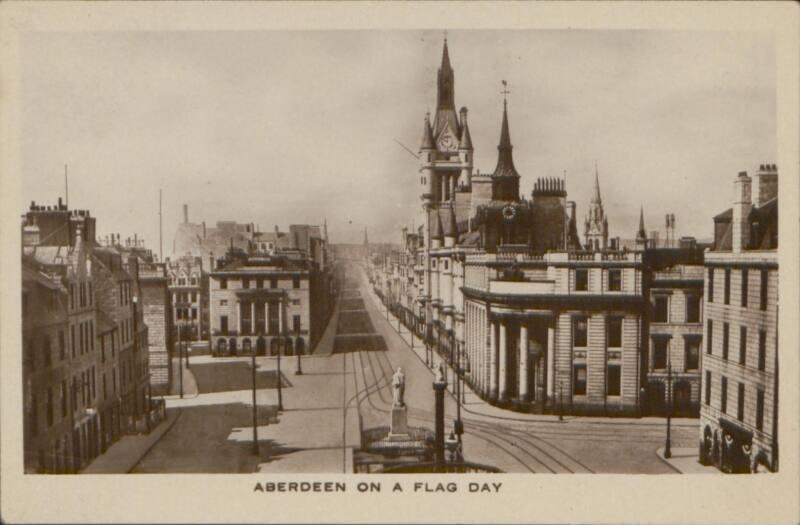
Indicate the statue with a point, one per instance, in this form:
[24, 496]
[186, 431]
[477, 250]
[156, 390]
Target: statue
[398, 387]
[440, 373]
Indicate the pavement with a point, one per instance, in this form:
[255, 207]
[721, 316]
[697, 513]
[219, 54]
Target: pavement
[122, 456]
[686, 461]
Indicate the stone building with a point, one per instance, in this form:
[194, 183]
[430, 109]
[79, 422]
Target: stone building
[739, 368]
[198, 240]
[188, 287]
[672, 330]
[270, 303]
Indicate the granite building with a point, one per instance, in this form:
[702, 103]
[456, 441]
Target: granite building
[739, 367]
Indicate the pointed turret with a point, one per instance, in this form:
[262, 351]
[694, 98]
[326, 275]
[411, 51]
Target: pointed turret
[427, 135]
[505, 161]
[466, 139]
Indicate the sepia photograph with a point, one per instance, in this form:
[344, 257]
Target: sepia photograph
[366, 251]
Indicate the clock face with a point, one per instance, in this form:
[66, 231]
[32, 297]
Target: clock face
[447, 142]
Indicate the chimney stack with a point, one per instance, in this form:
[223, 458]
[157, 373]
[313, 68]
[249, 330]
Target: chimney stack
[185, 213]
[767, 183]
[742, 205]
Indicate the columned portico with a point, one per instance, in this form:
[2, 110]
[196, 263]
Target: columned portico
[503, 358]
[523, 362]
[493, 360]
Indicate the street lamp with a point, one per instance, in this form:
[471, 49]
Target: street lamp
[667, 445]
[281, 344]
[255, 408]
[180, 357]
[560, 401]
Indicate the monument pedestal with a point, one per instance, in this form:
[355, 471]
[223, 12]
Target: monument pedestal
[399, 426]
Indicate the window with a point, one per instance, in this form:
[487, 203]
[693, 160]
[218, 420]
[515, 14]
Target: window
[260, 283]
[725, 337]
[223, 324]
[742, 345]
[72, 338]
[223, 284]
[762, 350]
[692, 308]
[579, 380]
[296, 323]
[102, 349]
[692, 358]
[194, 297]
[744, 288]
[711, 285]
[296, 282]
[723, 402]
[614, 332]
[223, 302]
[759, 409]
[660, 345]
[614, 380]
[71, 296]
[194, 313]
[764, 288]
[708, 387]
[661, 309]
[579, 332]
[709, 336]
[105, 387]
[62, 350]
[740, 403]
[727, 289]
[615, 280]
[245, 283]
[273, 283]
[581, 280]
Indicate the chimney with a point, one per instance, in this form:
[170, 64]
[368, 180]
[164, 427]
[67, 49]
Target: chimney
[742, 205]
[211, 262]
[185, 213]
[767, 183]
[204, 230]
[30, 233]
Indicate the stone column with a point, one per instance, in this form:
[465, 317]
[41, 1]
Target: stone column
[266, 316]
[239, 317]
[523, 361]
[444, 188]
[503, 357]
[452, 187]
[551, 361]
[253, 317]
[280, 317]
[492, 360]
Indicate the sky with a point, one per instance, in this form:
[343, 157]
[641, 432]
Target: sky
[293, 127]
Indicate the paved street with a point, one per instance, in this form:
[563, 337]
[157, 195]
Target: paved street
[341, 383]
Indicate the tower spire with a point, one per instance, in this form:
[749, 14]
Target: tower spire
[445, 97]
[505, 162]
[642, 233]
[596, 197]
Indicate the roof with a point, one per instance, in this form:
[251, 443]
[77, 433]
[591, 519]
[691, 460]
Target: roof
[726, 215]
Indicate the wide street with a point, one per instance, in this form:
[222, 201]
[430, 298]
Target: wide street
[346, 386]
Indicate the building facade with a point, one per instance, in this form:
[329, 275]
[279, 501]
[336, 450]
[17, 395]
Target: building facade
[739, 369]
[270, 303]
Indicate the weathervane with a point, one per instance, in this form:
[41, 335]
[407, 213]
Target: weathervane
[505, 91]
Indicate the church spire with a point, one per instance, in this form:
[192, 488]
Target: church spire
[505, 162]
[596, 196]
[445, 98]
[641, 234]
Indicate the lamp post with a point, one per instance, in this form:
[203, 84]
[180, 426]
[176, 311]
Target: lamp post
[280, 390]
[255, 408]
[560, 401]
[667, 445]
[191, 331]
[180, 357]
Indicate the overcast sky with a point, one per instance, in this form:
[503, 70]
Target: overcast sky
[293, 127]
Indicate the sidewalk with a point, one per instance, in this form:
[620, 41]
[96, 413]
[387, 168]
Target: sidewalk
[123, 456]
[684, 461]
[325, 344]
[189, 383]
[475, 406]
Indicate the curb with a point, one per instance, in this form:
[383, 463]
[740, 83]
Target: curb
[150, 447]
[660, 454]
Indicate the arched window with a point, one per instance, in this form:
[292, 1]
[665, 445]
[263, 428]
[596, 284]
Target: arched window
[247, 346]
[222, 346]
[232, 342]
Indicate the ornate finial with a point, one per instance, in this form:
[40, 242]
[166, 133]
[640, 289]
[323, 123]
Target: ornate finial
[505, 91]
